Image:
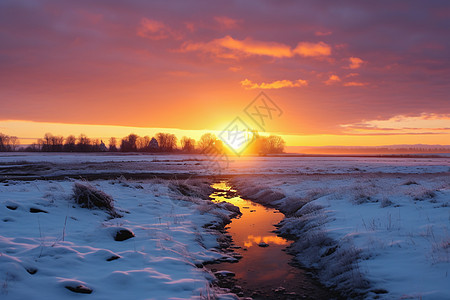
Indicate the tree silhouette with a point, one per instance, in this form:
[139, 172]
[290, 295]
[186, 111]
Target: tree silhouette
[206, 141]
[187, 144]
[113, 144]
[128, 143]
[166, 141]
[70, 144]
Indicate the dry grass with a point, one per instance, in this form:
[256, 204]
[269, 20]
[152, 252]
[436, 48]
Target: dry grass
[90, 197]
[195, 188]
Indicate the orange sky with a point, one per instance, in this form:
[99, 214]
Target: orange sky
[350, 73]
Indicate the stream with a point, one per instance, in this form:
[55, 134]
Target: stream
[265, 270]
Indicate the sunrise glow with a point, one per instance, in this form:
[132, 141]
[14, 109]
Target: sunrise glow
[144, 68]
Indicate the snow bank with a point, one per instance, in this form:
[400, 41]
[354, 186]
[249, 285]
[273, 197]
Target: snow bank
[52, 248]
[378, 235]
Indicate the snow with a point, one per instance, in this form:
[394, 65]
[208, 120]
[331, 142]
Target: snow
[395, 227]
[79, 163]
[73, 246]
[375, 226]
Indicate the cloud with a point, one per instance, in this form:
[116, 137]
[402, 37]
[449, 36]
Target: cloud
[249, 85]
[153, 30]
[256, 47]
[425, 123]
[355, 83]
[333, 79]
[250, 46]
[230, 47]
[355, 62]
[307, 49]
[226, 22]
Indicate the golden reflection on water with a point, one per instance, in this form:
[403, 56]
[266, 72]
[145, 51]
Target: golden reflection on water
[268, 239]
[256, 223]
[260, 268]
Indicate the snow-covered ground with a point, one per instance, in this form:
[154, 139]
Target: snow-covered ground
[44, 253]
[377, 226]
[382, 235]
[52, 165]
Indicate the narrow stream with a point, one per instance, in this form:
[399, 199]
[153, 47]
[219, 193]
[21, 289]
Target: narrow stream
[265, 270]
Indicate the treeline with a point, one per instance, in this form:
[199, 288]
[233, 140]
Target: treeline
[161, 142]
[8, 143]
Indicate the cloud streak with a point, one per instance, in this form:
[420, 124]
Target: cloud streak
[153, 30]
[278, 84]
[355, 62]
[233, 48]
[400, 124]
[307, 49]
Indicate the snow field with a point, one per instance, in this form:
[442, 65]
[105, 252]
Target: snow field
[382, 236]
[61, 245]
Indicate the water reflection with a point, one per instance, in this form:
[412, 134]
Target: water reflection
[262, 268]
[268, 239]
[256, 223]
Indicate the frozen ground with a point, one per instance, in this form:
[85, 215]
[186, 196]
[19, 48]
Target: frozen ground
[49, 244]
[58, 166]
[376, 226]
[382, 235]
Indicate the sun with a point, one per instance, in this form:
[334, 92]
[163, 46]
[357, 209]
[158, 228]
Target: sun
[237, 141]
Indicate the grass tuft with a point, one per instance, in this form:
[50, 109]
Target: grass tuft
[89, 197]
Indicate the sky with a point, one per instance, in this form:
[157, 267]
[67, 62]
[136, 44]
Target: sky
[339, 73]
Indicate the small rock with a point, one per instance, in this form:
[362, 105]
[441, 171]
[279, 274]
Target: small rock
[224, 274]
[252, 210]
[37, 210]
[81, 289]
[330, 251]
[228, 259]
[279, 290]
[262, 244]
[123, 234]
[114, 257]
[31, 270]
[379, 291]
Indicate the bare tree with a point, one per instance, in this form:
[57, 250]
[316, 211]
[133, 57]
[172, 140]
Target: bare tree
[8, 143]
[187, 144]
[275, 144]
[84, 143]
[268, 145]
[113, 144]
[166, 141]
[143, 143]
[56, 143]
[14, 142]
[47, 142]
[70, 144]
[128, 143]
[206, 141]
